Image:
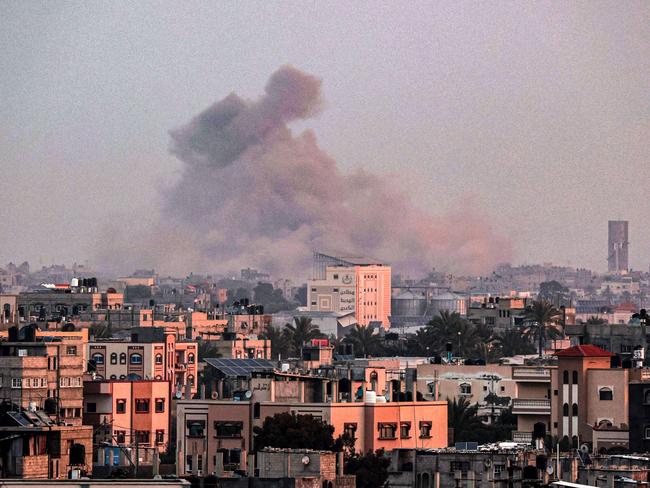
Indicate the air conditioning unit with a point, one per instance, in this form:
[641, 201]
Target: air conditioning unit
[214, 395]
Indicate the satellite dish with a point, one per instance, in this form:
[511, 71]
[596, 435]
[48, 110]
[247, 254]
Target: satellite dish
[487, 462]
[179, 394]
[305, 460]
[549, 469]
[248, 394]
[584, 448]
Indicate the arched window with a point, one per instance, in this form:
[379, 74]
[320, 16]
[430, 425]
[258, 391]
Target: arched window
[373, 381]
[123, 358]
[159, 358]
[113, 377]
[465, 389]
[136, 358]
[190, 358]
[565, 409]
[98, 358]
[113, 358]
[606, 393]
[574, 442]
[574, 410]
[565, 377]
[190, 380]
[575, 377]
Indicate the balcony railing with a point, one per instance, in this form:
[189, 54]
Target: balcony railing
[531, 407]
[522, 437]
[531, 374]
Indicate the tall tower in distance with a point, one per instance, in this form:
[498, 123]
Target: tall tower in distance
[617, 246]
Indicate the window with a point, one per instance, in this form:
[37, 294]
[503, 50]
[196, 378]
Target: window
[190, 380]
[91, 407]
[405, 430]
[498, 469]
[574, 410]
[462, 466]
[136, 358]
[626, 348]
[159, 358]
[160, 436]
[120, 436]
[142, 405]
[336, 277]
[256, 410]
[71, 350]
[228, 429]
[565, 409]
[425, 430]
[142, 436]
[120, 406]
[113, 358]
[646, 433]
[190, 358]
[188, 464]
[16, 382]
[575, 377]
[387, 430]
[335, 290]
[98, 358]
[565, 377]
[196, 428]
[606, 393]
[465, 389]
[350, 429]
[646, 397]
[123, 358]
[160, 405]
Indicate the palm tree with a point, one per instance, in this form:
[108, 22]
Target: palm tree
[463, 419]
[364, 341]
[451, 327]
[541, 323]
[594, 320]
[280, 341]
[513, 343]
[300, 332]
[207, 349]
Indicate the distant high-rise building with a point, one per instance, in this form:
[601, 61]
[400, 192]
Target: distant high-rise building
[617, 246]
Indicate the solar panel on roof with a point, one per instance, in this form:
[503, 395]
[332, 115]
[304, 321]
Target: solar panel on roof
[20, 420]
[239, 367]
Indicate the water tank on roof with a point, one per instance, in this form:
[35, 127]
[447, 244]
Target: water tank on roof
[371, 396]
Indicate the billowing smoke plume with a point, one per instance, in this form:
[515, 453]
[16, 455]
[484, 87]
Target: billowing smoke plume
[252, 193]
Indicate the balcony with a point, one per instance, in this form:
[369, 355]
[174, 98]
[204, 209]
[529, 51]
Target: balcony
[522, 437]
[531, 407]
[534, 375]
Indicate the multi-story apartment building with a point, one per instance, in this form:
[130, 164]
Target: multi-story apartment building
[153, 353]
[498, 313]
[128, 412]
[41, 389]
[345, 285]
[206, 428]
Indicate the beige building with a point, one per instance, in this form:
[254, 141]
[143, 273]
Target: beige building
[360, 286]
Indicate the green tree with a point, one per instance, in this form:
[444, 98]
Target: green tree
[541, 322]
[371, 469]
[301, 331]
[593, 320]
[512, 343]
[291, 431]
[207, 349]
[553, 291]
[364, 341]
[279, 341]
[300, 296]
[461, 416]
[451, 327]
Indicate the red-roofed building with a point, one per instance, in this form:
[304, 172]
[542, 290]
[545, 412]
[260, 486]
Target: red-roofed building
[591, 402]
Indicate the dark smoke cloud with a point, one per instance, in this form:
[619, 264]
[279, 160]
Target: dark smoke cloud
[252, 193]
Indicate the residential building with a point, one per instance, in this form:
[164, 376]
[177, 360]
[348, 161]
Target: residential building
[152, 353]
[207, 427]
[500, 313]
[129, 412]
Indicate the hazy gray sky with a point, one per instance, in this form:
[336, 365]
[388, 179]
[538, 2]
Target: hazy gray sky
[540, 111]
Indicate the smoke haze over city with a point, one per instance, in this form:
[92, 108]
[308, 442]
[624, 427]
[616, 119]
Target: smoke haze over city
[456, 136]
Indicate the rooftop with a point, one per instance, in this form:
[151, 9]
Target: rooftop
[584, 351]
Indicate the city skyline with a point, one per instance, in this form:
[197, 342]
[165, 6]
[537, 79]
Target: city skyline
[523, 115]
